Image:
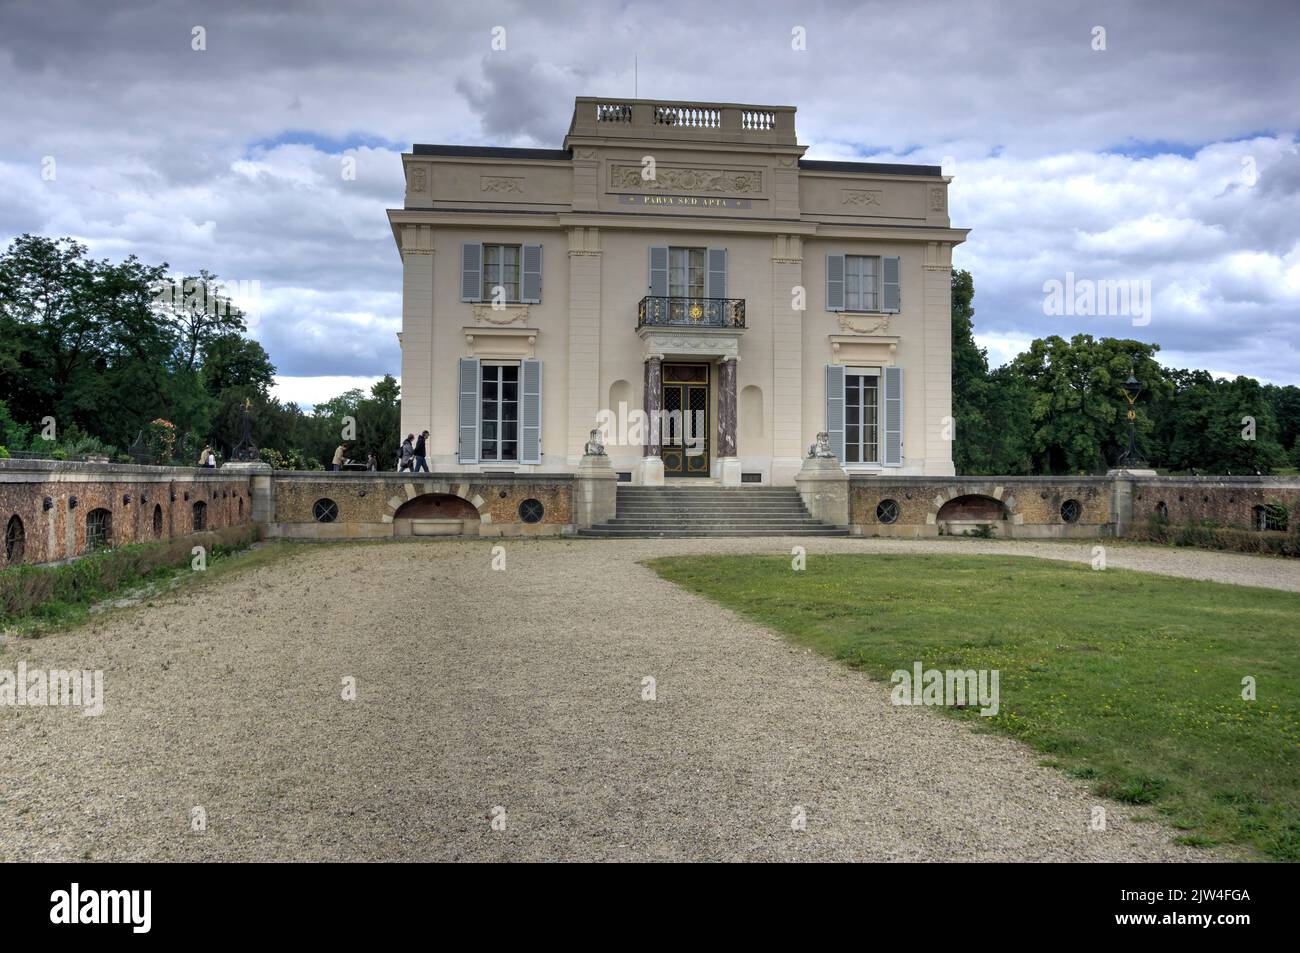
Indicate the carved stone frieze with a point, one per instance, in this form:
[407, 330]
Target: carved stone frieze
[629, 176]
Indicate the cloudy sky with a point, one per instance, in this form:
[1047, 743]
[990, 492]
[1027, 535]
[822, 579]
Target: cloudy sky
[1170, 156]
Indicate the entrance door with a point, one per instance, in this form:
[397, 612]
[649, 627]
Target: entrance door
[684, 433]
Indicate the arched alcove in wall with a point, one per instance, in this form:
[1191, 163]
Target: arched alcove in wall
[751, 411]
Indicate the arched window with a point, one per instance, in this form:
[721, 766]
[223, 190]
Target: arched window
[15, 539]
[1162, 511]
[200, 515]
[157, 520]
[99, 530]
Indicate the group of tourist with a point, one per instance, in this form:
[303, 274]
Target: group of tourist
[412, 455]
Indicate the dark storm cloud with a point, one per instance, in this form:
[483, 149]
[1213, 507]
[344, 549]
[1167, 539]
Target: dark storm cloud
[1171, 156]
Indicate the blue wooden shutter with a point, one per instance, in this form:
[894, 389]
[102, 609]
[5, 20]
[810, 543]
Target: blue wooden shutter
[891, 292]
[471, 271]
[835, 283]
[893, 416]
[835, 409]
[467, 426]
[530, 417]
[659, 271]
[532, 275]
[715, 282]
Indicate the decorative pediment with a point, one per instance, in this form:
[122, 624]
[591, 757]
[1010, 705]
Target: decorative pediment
[876, 349]
[500, 343]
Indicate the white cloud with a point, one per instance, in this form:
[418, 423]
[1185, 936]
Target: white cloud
[231, 159]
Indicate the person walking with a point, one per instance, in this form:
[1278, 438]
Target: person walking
[406, 454]
[421, 463]
[339, 451]
[372, 462]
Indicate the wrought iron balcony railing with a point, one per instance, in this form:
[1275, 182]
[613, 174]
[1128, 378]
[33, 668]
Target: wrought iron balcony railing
[664, 312]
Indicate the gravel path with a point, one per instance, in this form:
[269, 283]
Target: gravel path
[522, 689]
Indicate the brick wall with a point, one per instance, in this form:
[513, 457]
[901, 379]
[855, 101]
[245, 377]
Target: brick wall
[53, 499]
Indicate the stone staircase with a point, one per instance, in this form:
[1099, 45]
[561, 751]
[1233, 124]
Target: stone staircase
[705, 510]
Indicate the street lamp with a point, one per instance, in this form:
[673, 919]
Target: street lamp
[1130, 458]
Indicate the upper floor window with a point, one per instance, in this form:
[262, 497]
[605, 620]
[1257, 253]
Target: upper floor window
[501, 269]
[686, 272]
[863, 283]
[511, 274]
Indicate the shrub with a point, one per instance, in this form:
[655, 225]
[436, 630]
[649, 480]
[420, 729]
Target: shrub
[28, 590]
[1266, 542]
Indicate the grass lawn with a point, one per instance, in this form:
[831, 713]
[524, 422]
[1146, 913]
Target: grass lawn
[1130, 680]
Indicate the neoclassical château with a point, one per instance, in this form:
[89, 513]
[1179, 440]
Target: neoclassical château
[678, 276]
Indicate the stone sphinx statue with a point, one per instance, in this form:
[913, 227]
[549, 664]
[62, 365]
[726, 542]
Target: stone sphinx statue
[594, 447]
[822, 448]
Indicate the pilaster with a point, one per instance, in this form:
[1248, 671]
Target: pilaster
[584, 338]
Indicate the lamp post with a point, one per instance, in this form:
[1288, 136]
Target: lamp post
[1130, 458]
[246, 450]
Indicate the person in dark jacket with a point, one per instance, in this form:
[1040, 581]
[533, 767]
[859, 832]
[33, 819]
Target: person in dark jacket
[420, 450]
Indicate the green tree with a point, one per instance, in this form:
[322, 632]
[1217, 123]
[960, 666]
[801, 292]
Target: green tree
[1078, 410]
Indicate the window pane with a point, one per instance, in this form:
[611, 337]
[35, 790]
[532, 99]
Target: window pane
[509, 410]
[509, 390]
[508, 451]
[509, 431]
[510, 372]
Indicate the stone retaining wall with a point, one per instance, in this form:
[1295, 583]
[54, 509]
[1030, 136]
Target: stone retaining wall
[52, 500]
[1032, 505]
[368, 505]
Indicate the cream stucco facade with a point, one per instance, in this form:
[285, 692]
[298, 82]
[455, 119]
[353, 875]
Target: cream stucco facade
[675, 254]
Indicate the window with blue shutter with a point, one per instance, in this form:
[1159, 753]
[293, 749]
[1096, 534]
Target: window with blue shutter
[835, 409]
[717, 274]
[530, 431]
[659, 271]
[834, 282]
[467, 421]
[890, 284]
[893, 417]
[471, 271]
[532, 275]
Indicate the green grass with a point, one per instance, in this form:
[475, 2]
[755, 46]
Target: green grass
[1127, 680]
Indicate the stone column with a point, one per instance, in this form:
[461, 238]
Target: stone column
[728, 462]
[652, 467]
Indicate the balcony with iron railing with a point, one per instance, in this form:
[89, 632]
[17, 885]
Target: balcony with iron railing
[656, 119]
[657, 311]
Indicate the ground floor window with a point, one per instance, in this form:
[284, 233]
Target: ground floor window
[861, 417]
[499, 420]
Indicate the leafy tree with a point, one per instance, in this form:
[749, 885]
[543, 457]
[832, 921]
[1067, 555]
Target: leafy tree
[1078, 410]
